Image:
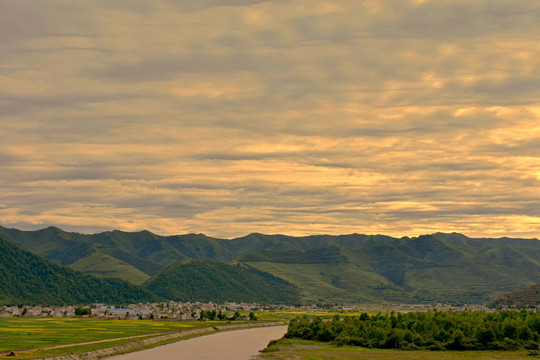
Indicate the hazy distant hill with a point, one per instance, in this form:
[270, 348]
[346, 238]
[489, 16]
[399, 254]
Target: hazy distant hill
[521, 298]
[210, 280]
[26, 278]
[344, 269]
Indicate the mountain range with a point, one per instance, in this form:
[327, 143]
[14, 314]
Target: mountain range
[355, 268]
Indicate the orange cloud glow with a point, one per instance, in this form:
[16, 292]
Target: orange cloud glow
[230, 117]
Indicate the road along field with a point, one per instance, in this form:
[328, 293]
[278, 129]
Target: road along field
[42, 338]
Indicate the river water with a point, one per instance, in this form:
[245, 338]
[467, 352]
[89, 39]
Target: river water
[228, 345]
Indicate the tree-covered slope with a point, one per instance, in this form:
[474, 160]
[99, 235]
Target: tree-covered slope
[26, 278]
[144, 251]
[209, 280]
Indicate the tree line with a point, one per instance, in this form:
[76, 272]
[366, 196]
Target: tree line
[214, 315]
[469, 330]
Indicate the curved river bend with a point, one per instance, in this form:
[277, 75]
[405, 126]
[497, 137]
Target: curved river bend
[228, 345]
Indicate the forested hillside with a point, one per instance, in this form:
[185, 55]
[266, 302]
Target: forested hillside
[209, 280]
[29, 279]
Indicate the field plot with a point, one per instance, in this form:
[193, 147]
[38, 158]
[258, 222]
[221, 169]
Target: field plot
[293, 349]
[17, 334]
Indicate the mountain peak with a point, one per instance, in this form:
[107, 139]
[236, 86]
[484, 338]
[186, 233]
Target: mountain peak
[450, 236]
[51, 229]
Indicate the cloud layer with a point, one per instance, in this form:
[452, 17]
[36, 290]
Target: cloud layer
[285, 116]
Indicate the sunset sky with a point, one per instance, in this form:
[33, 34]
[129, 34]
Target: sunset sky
[299, 117]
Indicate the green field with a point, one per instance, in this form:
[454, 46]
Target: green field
[288, 315]
[294, 349]
[17, 334]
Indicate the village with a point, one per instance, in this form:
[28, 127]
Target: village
[171, 310]
[191, 311]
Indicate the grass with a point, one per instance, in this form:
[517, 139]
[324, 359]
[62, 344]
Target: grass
[326, 282]
[100, 264]
[293, 349]
[468, 275]
[287, 315]
[18, 334]
[47, 353]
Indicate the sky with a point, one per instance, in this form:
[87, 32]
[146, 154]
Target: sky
[298, 117]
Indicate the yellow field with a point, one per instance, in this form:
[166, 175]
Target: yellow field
[17, 334]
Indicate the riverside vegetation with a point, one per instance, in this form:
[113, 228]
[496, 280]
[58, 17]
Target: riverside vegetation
[503, 330]
[287, 349]
[392, 336]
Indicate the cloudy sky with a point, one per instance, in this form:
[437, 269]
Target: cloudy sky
[228, 117]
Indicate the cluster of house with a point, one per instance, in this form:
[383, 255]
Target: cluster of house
[158, 311]
[189, 311]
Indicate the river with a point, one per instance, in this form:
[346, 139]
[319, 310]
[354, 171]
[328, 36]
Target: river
[227, 345]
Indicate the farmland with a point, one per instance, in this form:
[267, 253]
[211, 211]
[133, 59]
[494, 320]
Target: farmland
[36, 334]
[17, 334]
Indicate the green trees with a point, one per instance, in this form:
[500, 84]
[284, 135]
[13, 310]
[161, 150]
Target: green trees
[223, 282]
[28, 278]
[209, 315]
[83, 311]
[524, 333]
[506, 330]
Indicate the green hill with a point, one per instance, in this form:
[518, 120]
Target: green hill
[103, 265]
[136, 252]
[26, 278]
[423, 269]
[209, 280]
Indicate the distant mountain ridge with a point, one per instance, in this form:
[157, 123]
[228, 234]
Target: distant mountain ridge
[324, 268]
